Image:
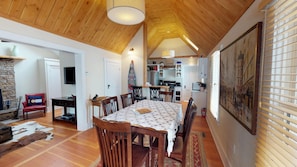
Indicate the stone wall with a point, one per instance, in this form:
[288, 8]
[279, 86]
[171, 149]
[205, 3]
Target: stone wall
[7, 82]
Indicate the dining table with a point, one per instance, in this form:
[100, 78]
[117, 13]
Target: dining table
[154, 118]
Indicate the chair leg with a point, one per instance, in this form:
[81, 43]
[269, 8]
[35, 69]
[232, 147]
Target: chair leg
[147, 161]
[153, 157]
[140, 139]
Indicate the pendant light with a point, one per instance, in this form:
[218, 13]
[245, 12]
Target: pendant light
[126, 12]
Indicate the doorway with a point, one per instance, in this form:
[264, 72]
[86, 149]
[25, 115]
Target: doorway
[112, 77]
[52, 74]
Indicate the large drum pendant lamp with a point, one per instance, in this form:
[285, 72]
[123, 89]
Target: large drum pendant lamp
[126, 12]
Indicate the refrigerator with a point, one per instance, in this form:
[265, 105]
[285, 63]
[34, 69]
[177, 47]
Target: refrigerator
[153, 77]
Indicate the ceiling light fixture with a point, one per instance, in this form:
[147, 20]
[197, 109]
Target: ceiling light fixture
[168, 54]
[131, 50]
[126, 12]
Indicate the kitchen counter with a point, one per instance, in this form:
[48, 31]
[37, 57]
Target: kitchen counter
[166, 88]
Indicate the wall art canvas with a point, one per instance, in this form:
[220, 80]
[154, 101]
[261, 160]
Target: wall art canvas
[239, 77]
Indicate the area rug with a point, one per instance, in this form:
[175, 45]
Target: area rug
[195, 154]
[24, 134]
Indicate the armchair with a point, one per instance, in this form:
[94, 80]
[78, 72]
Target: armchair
[34, 102]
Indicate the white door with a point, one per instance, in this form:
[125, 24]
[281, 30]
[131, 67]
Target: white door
[190, 75]
[53, 80]
[112, 78]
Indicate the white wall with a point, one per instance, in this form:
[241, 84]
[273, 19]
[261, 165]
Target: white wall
[67, 60]
[137, 57]
[88, 61]
[180, 47]
[236, 145]
[27, 71]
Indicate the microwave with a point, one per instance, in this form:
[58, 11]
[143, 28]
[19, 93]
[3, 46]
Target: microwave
[196, 86]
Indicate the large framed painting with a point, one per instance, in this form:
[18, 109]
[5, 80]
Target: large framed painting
[239, 77]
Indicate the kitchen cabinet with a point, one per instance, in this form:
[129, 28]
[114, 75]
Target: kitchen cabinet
[202, 69]
[178, 70]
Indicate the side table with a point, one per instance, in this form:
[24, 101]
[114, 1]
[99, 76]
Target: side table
[65, 102]
[97, 102]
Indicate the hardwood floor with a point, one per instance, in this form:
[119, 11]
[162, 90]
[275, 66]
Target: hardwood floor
[70, 147]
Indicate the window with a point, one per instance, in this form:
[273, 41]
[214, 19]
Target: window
[214, 83]
[277, 115]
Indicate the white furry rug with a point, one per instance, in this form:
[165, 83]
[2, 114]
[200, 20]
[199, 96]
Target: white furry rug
[24, 134]
[28, 128]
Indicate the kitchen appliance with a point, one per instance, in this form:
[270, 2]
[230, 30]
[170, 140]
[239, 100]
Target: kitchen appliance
[153, 77]
[196, 86]
[177, 94]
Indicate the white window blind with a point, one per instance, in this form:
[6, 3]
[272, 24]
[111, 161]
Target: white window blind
[277, 115]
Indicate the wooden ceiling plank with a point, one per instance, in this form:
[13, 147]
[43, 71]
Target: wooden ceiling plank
[65, 16]
[202, 21]
[16, 9]
[31, 11]
[97, 12]
[54, 14]
[82, 14]
[5, 6]
[44, 13]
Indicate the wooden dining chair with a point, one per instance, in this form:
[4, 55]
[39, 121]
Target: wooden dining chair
[137, 93]
[155, 93]
[116, 148]
[180, 143]
[182, 127]
[110, 105]
[166, 96]
[127, 99]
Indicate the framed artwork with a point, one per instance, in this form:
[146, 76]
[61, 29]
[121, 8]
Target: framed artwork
[239, 77]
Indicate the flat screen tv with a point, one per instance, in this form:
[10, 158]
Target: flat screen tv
[69, 75]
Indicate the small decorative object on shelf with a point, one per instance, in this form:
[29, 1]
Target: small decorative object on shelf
[161, 72]
[7, 104]
[14, 51]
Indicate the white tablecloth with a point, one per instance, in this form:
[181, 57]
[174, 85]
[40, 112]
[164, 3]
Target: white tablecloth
[163, 116]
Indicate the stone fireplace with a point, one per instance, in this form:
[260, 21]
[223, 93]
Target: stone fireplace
[7, 86]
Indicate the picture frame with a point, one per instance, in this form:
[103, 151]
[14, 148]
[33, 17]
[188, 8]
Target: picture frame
[239, 77]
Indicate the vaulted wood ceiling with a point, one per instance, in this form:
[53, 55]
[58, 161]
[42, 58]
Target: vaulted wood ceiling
[204, 22]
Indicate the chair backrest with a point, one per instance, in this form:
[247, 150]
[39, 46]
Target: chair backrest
[127, 99]
[190, 106]
[137, 91]
[187, 136]
[115, 142]
[110, 105]
[155, 93]
[166, 96]
[35, 99]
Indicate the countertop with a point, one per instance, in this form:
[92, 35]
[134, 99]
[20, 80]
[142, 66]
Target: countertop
[161, 86]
